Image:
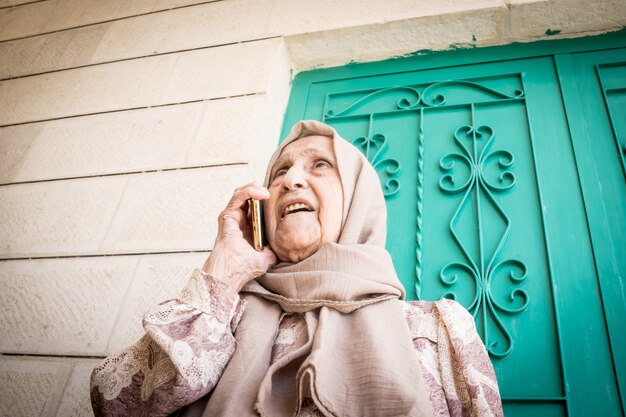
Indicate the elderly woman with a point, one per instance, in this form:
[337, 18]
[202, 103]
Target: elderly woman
[323, 332]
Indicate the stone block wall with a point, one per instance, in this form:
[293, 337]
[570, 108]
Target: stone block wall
[125, 126]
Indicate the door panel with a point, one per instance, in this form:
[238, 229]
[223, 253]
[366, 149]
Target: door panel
[594, 86]
[498, 199]
[485, 206]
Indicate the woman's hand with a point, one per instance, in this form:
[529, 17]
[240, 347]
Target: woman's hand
[233, 259]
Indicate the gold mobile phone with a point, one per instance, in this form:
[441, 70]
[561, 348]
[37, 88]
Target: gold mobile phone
[257, 224]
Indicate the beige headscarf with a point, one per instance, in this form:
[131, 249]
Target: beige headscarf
[358, 359]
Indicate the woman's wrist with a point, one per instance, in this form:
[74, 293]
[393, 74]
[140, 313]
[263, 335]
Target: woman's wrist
[237, 264]
[218, 267]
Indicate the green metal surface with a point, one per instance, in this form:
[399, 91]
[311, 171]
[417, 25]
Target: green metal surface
[506, 191]
[594, 85]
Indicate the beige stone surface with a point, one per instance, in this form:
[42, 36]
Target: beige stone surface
[167, 79]
[122, 85]
[273, 114]
[211, 24]
[24, 20]
[107, 143]
[375, 42]
[159, 211]
[62, 306]
[15, 143]
[59, 217]
[31, 387]
[218, 23]
[52, 15]
[196, 134]
[221, 72]
[187, 28]
[158, 278]
[10, 3]
[76, 401]
[57, 50]
[530, 21]
[203, 25]
[228, 130]
[327, 15]
[172, 211]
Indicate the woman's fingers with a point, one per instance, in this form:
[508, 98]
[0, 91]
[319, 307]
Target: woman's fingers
[233, 259]
[269, 256]
[246, 192]
[234, 217]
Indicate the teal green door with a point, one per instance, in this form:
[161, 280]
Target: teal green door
[505, 191]
[594, 86]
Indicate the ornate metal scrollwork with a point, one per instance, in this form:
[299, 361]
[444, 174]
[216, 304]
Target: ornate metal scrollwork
[482, 270]
[410, 98]
[431, 98]
[373, 147]
[370, 106]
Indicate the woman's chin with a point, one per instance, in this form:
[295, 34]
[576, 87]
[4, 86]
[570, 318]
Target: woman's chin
[296, 252]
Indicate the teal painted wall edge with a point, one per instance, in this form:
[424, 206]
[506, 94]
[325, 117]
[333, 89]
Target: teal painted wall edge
[454, 56]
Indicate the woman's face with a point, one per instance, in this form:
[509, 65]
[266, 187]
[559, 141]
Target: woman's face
[306, 199]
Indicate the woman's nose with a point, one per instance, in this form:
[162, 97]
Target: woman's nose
[295, 178]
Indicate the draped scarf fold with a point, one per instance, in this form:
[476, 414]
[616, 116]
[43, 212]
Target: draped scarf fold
[358, 358]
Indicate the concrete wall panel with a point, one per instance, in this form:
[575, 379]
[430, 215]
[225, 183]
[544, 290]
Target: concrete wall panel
[14, 146]
[57, 50]
[11, 3]
[62, 306]
[57, 218]
[91, 306]
[564, 18]
[217, 23]
[201, 26]
[41, 17]
[212, 24]
[168, 79]
[196, 134]
[167, 211]
[31, 387]
[76, 401]
[375, 42]
[187, 28]
[172, 211]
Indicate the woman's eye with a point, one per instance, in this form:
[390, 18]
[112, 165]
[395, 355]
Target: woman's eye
[280, 172]
[322, 164]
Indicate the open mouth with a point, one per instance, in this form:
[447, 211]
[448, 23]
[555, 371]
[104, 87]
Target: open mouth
[296, 208]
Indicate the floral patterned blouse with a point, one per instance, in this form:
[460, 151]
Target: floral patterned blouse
[190, 340]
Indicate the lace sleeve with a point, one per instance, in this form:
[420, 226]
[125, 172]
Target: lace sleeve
[187, 345]
[454, 361]
[467, 374]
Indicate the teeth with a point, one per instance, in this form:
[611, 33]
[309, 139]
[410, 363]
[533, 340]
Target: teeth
[295, 206]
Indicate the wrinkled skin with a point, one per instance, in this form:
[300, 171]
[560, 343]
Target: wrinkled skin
[305, 174]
